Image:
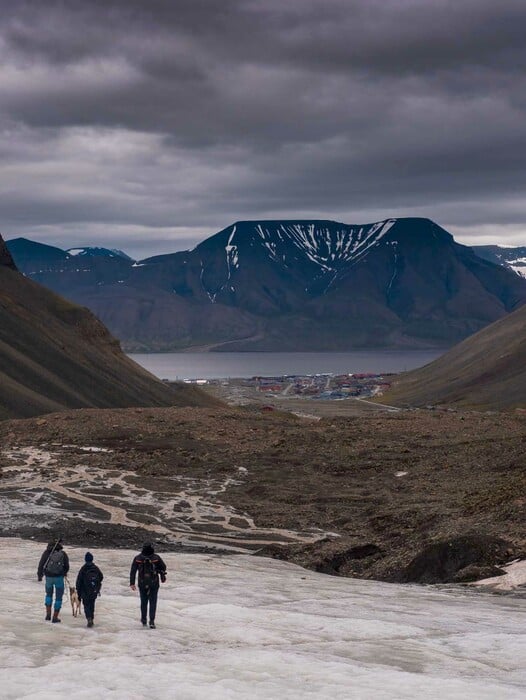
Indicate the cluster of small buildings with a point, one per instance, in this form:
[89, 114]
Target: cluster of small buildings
[324, 386]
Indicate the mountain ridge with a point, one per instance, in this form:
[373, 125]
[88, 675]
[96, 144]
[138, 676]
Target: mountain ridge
[299, 284]
[512, 257]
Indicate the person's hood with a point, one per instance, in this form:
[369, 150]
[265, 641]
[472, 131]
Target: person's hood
[147, 549]
[54, 546]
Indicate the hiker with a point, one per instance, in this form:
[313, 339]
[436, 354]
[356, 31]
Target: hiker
[89, 581]
[150, 567]
[54, 565]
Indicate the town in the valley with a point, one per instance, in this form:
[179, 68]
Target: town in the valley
[323, 386]
[290, 388]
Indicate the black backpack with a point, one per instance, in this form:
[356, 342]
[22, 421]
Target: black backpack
[55, 564]
[147, 573]
[91, 583]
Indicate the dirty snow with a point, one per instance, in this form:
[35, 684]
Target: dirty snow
[515, 576]
[243, 627]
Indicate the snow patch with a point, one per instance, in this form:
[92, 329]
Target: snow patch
[514, 577]
[238, 627]
[232, 254]
[327, 248]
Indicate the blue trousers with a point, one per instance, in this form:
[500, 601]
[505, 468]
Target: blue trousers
[57, 583]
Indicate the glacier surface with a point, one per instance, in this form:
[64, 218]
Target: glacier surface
[245, 627]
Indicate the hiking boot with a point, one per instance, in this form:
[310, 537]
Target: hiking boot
[143, 623]
[48, 612]
[152, 625]
[55, 616]
[90, 622]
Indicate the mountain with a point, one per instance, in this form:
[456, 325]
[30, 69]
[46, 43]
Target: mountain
[56, 355]
[297, 285]
[487, 371]
[512, 258]
[33, 257]
[95, 252]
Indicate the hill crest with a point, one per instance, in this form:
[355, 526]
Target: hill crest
[56, 355]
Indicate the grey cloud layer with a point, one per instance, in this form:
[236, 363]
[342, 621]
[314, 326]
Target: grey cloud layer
[184, 115]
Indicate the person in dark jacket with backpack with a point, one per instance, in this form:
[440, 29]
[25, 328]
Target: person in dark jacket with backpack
[89, 581]
[54, 565]
[150, 567]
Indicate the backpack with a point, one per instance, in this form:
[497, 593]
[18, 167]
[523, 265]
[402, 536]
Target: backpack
[55, 564]
[91, 583]
[147, 573]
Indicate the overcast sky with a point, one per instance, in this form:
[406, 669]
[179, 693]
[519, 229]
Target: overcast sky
[150, 124]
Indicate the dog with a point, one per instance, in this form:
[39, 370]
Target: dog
[73, 599]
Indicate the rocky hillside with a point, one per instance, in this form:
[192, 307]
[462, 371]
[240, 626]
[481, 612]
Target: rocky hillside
[56, 355]
[488, 370]
[6, 259]
[296, 285]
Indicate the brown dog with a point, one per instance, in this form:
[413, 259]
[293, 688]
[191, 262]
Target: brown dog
[74, 600]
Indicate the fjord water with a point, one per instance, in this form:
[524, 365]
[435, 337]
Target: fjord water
[209, 365]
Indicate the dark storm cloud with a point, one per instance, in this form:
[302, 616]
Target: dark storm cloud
[164, 117]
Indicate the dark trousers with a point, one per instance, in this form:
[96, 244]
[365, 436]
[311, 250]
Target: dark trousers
[89, 607]
[148, 596]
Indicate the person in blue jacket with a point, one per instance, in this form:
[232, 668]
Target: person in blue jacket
[54, 565]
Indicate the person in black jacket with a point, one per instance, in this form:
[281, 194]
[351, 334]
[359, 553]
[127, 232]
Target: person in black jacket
[150, 568]
[89, 581]
[54, 565]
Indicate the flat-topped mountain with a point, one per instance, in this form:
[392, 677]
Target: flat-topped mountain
[487, 370]
[298, 285]
[56, 355]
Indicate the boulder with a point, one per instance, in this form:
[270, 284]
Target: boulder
[444, 561]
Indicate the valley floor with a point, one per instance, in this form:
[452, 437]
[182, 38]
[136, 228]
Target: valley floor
[242, 627]
[355, 496]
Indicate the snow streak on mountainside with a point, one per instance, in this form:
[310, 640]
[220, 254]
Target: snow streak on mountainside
[325, 246]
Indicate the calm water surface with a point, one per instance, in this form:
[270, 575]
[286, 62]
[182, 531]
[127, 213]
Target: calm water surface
[209, 365]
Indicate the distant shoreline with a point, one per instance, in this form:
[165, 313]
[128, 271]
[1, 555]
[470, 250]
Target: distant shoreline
[178, 366]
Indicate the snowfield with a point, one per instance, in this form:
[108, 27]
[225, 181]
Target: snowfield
[247, 627]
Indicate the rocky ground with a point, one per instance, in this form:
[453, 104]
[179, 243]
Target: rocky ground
[414, 495]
